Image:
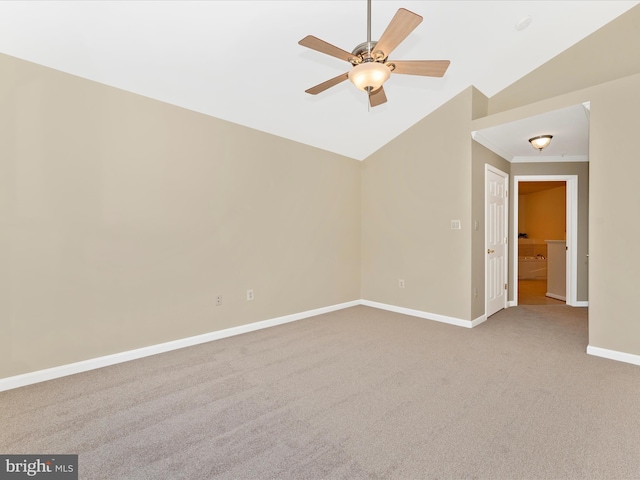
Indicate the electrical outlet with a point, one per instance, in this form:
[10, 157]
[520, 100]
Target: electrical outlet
[455, 225]
[475, 293]
[249, 295]
[218, 300]
[401, 283]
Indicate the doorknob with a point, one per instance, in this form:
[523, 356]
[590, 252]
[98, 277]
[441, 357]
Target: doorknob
[490, 250]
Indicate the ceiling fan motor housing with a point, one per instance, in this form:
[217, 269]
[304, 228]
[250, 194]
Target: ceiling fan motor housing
[365, 52]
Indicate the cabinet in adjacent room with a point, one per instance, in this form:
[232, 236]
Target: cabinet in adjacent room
[557, 269]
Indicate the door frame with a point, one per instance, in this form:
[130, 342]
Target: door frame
[571, 232]
[490, 168]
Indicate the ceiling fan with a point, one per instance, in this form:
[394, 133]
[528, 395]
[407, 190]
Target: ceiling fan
[369, 60]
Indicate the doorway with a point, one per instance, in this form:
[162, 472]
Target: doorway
[561, 282]
[541, 245]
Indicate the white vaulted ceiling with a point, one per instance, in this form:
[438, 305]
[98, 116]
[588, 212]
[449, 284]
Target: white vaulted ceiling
[240, 60]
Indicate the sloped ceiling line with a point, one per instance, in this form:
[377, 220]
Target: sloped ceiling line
[240, 61]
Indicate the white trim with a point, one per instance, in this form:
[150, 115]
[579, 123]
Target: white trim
[614, 355]
[557, 297]
[572, 231]
[99, 362]
[550, 158]
[512, 303]
[581, 303]
[30, 378]
[478, 137]
[419, 313]
[477, 321]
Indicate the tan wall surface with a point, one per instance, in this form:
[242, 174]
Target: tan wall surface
[542, 215]
[614, 232]
[411, 190]
[122, 217]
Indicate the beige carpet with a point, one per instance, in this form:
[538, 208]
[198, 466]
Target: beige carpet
[359, 393]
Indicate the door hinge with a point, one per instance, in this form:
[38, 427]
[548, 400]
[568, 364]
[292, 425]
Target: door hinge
[506, 193]
[505, 286]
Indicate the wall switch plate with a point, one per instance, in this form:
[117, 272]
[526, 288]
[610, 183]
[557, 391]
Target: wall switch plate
[249, 295]
[401, 283]
[218, 300]
[455, 225]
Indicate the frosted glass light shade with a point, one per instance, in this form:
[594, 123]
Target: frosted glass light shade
[541, 142]
[369, 76]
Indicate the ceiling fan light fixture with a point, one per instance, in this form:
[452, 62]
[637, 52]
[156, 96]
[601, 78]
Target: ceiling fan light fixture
[541, 141]
[369, 76]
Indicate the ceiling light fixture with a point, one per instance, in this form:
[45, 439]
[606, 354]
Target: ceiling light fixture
[370, 67]
[541, 141]
[369, 76]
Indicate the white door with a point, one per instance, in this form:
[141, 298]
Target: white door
[496, 212]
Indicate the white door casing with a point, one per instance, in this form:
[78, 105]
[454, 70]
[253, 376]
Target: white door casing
[571, 229]
[496, 239]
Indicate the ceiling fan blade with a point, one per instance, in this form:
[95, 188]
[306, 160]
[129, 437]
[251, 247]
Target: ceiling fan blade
[321, 46]
[427, 68]
[377, 97]
[401, 25]
[328, 84]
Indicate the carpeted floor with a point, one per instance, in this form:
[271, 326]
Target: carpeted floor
[355, 394]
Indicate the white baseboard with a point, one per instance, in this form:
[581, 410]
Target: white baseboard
[99, 362]
[419, 313]
[614, 355]
[581, 303]
[477, 321]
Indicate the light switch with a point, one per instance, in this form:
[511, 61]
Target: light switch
[455, 225]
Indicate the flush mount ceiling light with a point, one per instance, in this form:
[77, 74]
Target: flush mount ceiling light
[541, 141]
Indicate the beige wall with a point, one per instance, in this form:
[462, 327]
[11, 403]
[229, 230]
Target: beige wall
[543, 215]
[122, 217]
[614, 263]
[411, 190]
[481, 157]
